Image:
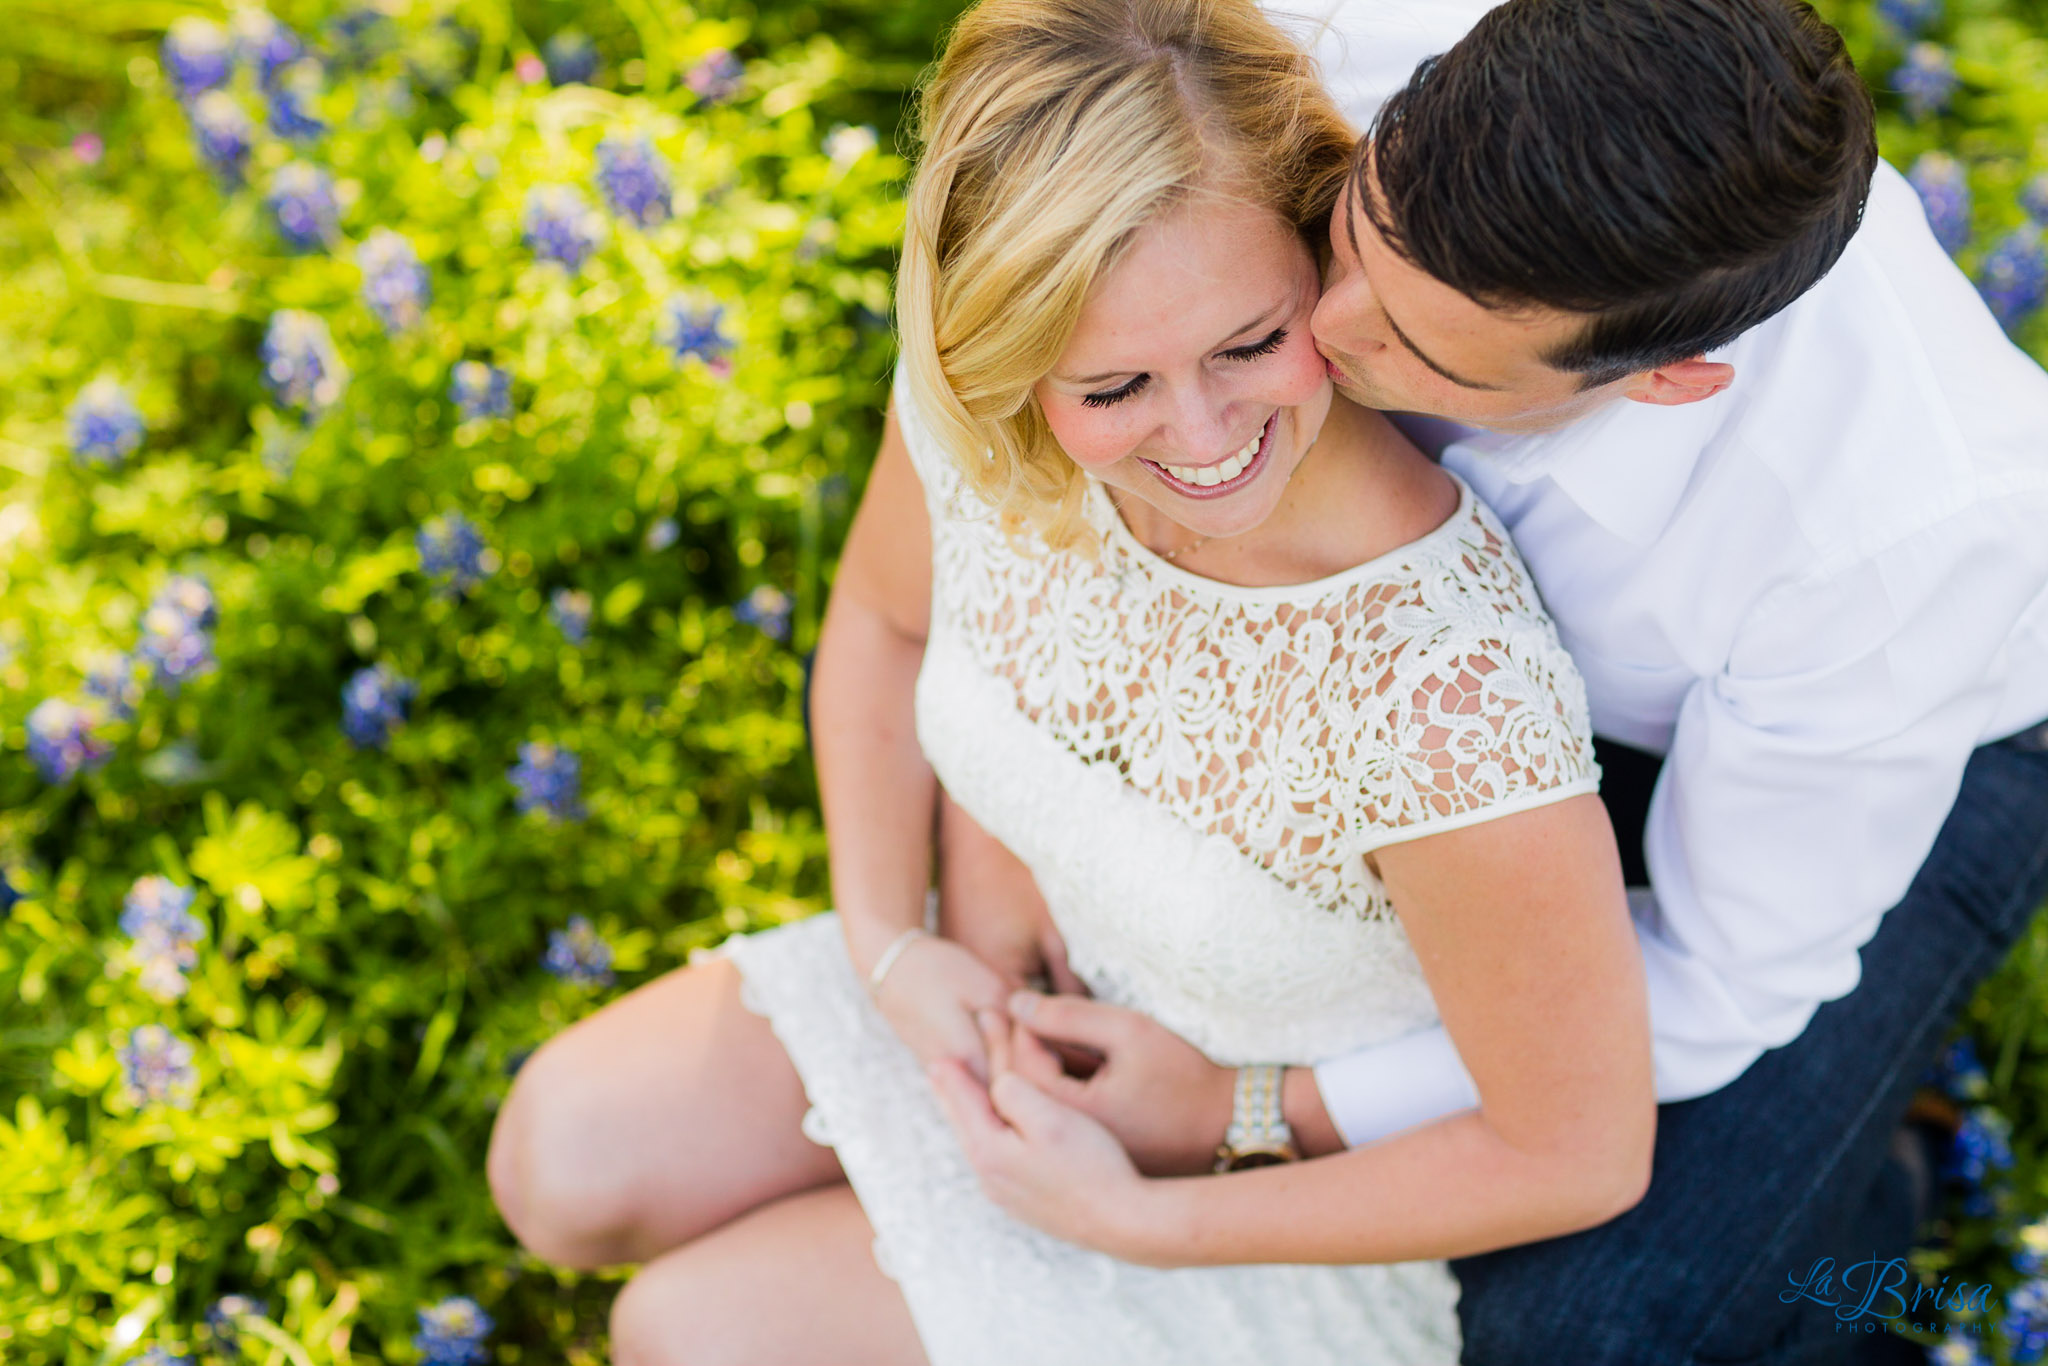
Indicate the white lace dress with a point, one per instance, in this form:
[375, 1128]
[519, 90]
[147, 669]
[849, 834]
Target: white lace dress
[1194, 772]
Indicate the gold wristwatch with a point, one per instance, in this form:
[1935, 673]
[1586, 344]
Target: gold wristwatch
[1259, 1135]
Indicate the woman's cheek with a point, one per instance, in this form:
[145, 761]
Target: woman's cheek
[1089, 439]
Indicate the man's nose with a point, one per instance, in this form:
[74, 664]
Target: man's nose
[1342, 321]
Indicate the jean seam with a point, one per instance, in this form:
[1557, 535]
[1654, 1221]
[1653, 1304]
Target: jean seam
[1778, 1235]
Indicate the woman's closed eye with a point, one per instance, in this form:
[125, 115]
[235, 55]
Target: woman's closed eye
[1265, 346]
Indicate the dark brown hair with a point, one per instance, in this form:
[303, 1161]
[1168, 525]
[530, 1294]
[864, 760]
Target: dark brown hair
[1680, 170]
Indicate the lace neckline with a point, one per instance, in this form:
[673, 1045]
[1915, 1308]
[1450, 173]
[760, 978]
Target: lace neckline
[1111, 523]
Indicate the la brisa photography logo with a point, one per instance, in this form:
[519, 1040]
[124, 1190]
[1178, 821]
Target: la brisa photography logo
[1882, 1295]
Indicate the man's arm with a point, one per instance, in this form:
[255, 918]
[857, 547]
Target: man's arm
[1804, 787]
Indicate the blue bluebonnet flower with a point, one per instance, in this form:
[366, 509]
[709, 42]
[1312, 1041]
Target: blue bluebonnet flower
[1926, 79]
[688, 327]
[452, 1333]
[174, 642]
[767, 610]
[373, 702]
[61, 740]
[579, 954]
[395, 284]
[2026, 1321]
[115, 680]
[198, 54]
[301, 202]
[292, 99]
[2013, 277]
[223, 133]
[158, 1067]
[1944, 189]
[480, 390]
[716, 77]
[845, 145]
[223, 1318]
[263, 44]
[549, 779]
[2031, 1258]
[1981, 1149]
[570, 608]
[300, 365]
[1958, 1072]
[157, 915]
[2034, 198]
[570, 57]
[10, 892]
[1909, 18]
[662, 534]
[561, 225]
[359, 36]
[103, 423]
[634, 179]
[191, 595]
[452, 550]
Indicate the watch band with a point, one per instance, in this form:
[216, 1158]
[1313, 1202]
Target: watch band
[1259, 1134]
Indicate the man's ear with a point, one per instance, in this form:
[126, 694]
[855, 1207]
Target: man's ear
[1688, 381]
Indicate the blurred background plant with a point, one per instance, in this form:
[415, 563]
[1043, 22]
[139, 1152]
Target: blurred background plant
[429, 426]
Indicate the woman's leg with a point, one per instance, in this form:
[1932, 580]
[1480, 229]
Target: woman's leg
[793, 1283]
[661, 1117]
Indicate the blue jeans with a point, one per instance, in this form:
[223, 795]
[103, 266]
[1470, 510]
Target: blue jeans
[1755, 1182]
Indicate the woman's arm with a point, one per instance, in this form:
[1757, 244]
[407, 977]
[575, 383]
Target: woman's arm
[878, 792]
[1522, 929]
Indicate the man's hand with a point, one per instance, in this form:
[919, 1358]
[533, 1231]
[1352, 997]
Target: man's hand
[989, 903]
[1156, 1092]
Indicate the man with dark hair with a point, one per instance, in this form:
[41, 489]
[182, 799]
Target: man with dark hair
[1783, 483]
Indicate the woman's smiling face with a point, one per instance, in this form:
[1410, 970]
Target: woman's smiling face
[1191, 382]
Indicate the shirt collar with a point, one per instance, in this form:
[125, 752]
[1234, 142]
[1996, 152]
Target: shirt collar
[1625, 465]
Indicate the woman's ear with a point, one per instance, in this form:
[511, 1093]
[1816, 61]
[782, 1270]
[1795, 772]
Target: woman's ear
[1687, 381]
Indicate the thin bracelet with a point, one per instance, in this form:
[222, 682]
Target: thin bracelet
[891, 954]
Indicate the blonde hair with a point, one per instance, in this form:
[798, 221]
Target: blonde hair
[1053, 131]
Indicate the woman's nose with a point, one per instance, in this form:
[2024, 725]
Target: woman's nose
[1201, 424]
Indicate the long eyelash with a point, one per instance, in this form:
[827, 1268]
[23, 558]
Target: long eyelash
[1117, 395]
[1257, 349]
[1263, 348]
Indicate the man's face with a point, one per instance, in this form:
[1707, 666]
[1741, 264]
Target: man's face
[1397, 338]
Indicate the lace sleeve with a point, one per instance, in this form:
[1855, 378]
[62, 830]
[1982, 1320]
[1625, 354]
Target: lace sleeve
[1484, 729]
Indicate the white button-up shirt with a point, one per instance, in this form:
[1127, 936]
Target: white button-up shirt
[1815, 594]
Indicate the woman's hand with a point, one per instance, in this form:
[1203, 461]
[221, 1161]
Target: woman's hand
[1044, 1162]
[930, 995]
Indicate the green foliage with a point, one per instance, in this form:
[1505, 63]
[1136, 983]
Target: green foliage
[373, 918]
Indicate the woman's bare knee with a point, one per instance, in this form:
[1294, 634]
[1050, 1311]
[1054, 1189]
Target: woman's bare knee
[664, 1115]
[790, 1284]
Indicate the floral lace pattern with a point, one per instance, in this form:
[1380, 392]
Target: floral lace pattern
[1306, 725]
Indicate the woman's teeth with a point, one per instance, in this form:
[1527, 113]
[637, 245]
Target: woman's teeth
[1207, 476]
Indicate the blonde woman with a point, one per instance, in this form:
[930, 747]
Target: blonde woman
[1264, 700]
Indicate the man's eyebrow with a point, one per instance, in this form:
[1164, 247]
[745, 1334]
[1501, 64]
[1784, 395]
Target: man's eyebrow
[1262, 319]
[1417, 352]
